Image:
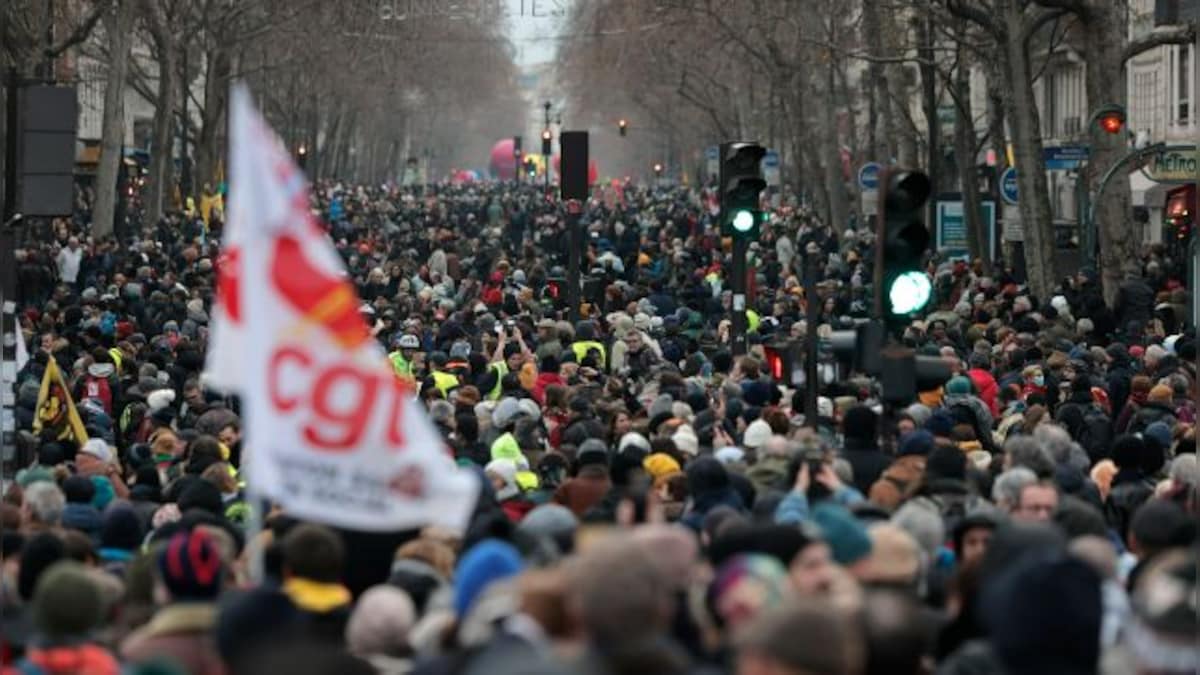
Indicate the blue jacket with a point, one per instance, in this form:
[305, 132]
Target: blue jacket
[794, 507]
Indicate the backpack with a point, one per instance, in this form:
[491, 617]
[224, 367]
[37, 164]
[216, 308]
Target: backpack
[99, 389]
[1096, 433]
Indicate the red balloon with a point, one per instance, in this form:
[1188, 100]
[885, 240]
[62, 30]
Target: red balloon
[503, 163]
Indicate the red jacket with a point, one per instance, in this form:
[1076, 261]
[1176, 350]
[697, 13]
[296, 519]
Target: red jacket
[987, 387]
[539, 386]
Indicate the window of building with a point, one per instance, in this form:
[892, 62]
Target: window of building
[1183, 84]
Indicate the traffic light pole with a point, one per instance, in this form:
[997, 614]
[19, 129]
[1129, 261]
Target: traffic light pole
[737, 328]
[813, 307]
[880, 232]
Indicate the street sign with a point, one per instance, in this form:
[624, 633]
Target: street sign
[770, 167]
[952, 227]
[1008, 185]
[868, 176]
[1064, 157]
[870, 202]
[1175, 164]
[1013, 231]
[712, 160]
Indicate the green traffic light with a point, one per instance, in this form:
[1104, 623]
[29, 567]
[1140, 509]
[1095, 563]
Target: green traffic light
[910, 292]
[743, 221]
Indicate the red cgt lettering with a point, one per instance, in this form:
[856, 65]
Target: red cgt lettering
[340, 400]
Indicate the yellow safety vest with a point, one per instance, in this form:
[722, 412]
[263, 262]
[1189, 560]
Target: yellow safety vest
[444, 382]
[501, 369]
[582, 348]
[402, 366]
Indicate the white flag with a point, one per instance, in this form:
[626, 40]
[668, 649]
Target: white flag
[332, 434]
[22, 350]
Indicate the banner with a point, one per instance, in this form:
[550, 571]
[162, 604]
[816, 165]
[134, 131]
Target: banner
[56, 413]
[332, 434]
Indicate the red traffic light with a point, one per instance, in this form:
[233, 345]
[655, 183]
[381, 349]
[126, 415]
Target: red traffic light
[1112, 123]
[658, 168]
[622, 125]
[546, 135]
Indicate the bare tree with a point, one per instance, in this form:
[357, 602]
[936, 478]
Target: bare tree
[118, 31]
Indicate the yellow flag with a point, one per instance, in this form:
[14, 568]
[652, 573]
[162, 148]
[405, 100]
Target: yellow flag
[55, 409]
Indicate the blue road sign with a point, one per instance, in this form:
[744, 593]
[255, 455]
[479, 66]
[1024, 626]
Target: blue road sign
[1008, 185]
[868, 176]
[1064, 157]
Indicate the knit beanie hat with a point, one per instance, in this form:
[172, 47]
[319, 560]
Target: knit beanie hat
[757, 433]
[380, 622]
[122, 528]
[746, 586]
[919, 442]
[660, 464]
[958, 385]
[847, 537]
[489, 561]
[67, 601]
[1160, 393]
[190, 566]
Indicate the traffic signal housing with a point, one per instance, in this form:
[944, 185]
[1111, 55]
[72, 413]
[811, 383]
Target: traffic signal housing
[622, 127]
[741, 181]
[907, 289]
[546, 138]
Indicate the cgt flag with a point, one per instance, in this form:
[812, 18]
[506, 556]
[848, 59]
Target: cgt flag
[333, 435]
[56, 415]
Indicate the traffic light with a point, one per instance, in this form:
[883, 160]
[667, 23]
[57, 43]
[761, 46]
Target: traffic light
[622, 126]
[904, 374]
[741, 182]
[517, 147]
[1111, 119]
[530, 167]
[905, 239]
[546, 143]
[658, 169]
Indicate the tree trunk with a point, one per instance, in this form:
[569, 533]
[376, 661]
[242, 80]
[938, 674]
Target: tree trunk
[1104, 42]
[212, 125]
[905, 140]
[118, 27]
[162, 155]
[876, 94]
[1022, 113]
[964, 154]
[835, 182]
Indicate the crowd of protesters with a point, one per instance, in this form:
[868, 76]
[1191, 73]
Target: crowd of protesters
[651, 503]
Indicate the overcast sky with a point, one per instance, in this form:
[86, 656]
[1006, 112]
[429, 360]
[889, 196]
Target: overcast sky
[530, 23]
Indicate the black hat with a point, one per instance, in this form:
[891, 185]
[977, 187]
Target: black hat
[1044, 616]
[78, 490]
[860, 422]
[946, 461]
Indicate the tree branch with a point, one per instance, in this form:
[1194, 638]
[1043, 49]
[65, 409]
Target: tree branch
[1174, 35]
[1073, 6]
[976, 14]
[1040, 20]
[81, 32]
